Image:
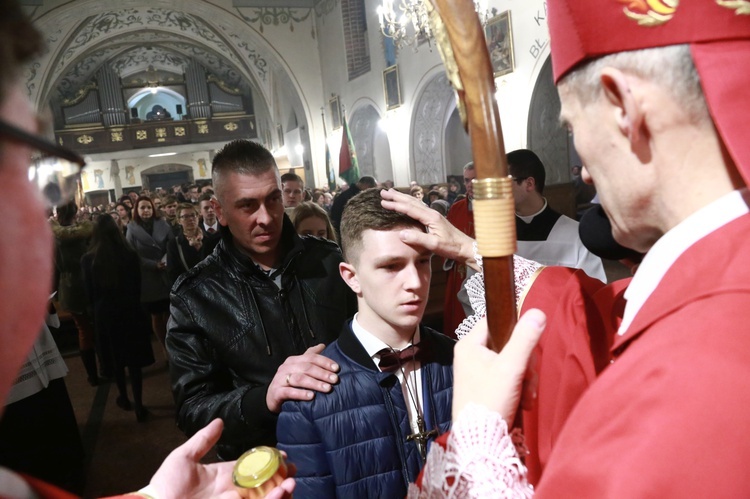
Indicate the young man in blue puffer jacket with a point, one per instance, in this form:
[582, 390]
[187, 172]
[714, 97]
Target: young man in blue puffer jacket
[368, 436]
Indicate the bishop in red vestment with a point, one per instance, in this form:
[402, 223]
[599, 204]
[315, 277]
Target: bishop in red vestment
[657, 105]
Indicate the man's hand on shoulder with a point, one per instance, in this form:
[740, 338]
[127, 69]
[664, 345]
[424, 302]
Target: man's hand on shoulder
[300, 376]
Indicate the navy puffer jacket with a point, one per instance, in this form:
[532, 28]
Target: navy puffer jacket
[351, 442]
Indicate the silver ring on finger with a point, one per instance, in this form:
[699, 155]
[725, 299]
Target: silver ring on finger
[287, 380]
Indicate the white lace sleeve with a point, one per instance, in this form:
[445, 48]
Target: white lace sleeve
[480, 461]
[523, 271]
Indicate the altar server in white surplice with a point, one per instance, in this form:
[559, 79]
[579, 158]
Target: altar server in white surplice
[544, 235]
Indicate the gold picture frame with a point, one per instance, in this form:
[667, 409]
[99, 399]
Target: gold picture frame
[499, 36]
[334, 106]
[391, 88]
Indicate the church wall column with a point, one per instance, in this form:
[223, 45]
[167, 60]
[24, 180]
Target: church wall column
[114, 173]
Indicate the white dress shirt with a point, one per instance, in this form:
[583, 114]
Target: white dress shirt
[412, 389]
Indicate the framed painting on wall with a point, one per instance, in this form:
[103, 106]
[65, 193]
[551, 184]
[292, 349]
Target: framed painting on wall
[391, 88]
[335, 108]
[499, 36]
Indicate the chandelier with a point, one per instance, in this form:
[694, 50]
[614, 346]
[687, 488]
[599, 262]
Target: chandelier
[408, 23]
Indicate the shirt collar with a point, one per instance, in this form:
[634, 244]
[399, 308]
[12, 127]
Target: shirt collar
[372, 343]
[529, 218]
[215, 226]
[674, 243]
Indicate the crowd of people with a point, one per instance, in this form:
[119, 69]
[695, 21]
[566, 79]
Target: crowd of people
[301, 327]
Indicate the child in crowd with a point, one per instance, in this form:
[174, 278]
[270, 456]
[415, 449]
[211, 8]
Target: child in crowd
[310, 219]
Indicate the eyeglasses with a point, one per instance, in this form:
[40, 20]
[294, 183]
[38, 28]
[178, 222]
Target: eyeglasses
[54, 169]
[190, 216]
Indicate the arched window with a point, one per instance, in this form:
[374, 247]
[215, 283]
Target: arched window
[355, 37]
[157, 103]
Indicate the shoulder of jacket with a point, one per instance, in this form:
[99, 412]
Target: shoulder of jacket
[82, 230]
[314, 242]
[333, 350]
[461, 204]
[211, 267]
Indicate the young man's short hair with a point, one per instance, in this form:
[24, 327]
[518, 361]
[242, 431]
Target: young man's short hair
[365, 211]
[205, 197]
[292, 177]
[169, 200]
[523, 164]
[187, 206]
[244, 157]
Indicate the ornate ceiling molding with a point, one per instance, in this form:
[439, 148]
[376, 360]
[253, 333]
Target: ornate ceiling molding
[100, 36]
[274, 16]
[325, 7]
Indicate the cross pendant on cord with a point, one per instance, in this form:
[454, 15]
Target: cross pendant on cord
[422, 437]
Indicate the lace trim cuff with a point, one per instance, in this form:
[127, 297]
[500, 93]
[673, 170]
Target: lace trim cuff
[480, 461]
[523, 273]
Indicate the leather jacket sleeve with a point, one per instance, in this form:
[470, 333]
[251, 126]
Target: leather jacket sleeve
[203, 387]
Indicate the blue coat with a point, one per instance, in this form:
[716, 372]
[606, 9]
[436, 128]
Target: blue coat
[351, 442]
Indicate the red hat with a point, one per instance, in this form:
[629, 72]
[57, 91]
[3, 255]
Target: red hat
[718, 32]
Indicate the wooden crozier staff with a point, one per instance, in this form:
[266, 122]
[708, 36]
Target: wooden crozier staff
[461, 42]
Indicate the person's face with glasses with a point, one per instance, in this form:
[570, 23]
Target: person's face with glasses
[188, 220]
[28, 187]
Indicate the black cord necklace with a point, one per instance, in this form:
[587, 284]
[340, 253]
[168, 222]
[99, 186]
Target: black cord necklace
[421, 436]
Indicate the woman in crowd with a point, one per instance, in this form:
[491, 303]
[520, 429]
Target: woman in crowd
[417, 192]
[148, 235]
[319, 198]
[120, 224]
[187, 249]
[309, 219]
[71, 241]
[124, 213]
[112, 275]
[125, 199]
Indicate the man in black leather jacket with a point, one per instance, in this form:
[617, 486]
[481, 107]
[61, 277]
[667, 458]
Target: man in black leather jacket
[249, 322]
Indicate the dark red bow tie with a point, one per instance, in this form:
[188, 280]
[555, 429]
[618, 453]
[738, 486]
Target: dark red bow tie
[390, 360]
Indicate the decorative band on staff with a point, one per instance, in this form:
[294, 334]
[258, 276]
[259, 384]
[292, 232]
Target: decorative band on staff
[494, 216]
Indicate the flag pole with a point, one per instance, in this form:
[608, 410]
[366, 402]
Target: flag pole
[330, 176]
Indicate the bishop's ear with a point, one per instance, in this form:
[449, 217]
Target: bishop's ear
[349, 275]
[621, 92]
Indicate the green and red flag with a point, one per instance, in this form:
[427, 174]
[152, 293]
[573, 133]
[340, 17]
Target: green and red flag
[348, 166]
